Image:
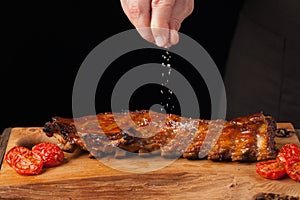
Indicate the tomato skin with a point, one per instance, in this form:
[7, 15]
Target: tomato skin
[280, 157]
[271, 169]
[288, 151]
[289, 155]
[24, 161]
[52, 155]
[292, 168]
[10, 156]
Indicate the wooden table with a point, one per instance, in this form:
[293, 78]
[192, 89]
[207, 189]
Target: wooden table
[81, 177]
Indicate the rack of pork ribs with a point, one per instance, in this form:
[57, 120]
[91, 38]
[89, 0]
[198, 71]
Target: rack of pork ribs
[143, 132]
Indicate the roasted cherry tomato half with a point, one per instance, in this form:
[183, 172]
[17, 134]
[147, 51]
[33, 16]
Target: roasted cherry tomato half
[289, 151]
[52, 155]
[292, 168]
[10, 156]
[24, 161]
[271, 169]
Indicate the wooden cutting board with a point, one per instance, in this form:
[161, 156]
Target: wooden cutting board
[80, 177]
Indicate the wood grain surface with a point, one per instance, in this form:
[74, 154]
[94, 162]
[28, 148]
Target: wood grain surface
[3, 143]
[80, 177]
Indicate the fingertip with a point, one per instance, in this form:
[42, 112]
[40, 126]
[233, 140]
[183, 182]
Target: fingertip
[160, 41]
[161, 36]
[174, 37]
[168, 45]
[146, 34]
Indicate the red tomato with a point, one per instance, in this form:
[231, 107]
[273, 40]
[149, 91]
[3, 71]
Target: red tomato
[271, 169]
[52, 155]
[24, 161]
[11, 154]
[292, 168]
[289, 151]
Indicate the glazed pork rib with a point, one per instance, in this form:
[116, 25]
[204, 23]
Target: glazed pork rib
[247, 138]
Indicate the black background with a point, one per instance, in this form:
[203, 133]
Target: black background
[44, 43]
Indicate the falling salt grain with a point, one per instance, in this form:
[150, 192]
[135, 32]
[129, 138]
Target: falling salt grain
[166, 63]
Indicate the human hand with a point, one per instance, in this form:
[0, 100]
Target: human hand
[158, 21]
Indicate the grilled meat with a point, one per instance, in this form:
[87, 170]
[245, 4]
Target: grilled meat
[248, 138]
